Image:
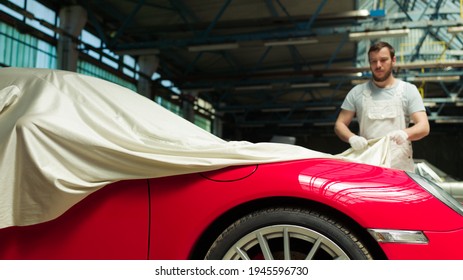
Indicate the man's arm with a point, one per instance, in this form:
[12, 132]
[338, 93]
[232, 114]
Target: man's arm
[341, 126]
[420, 129]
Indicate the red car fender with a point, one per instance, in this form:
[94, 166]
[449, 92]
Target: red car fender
[183, 207]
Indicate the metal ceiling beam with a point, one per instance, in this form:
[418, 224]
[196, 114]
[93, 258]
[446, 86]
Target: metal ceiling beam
[267, 35]
[213, 23]
[96, 24]
[337, 51]
[404, 9]
[125, 23]
[293, 51]
[204, 35]
[282, 33]
[318, 73]
[186, 14]
[348, 18]
[312, 19]
[418, 46]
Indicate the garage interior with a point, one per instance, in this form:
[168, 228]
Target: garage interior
[254, 70]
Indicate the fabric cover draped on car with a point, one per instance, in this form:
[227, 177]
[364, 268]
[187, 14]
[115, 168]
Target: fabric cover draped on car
[65, 135]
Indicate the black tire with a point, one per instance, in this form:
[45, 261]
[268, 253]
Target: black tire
[287, 233]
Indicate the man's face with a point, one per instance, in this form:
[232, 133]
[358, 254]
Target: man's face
[381, 64]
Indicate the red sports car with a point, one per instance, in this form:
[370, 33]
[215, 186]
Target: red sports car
[76, 184]
[306, 209]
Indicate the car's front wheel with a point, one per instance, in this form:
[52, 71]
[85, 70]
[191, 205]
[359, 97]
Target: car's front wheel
[287, 234]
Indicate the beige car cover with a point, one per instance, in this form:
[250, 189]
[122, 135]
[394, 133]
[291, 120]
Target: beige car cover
[65, 135]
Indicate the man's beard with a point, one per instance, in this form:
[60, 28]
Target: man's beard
[386, 76]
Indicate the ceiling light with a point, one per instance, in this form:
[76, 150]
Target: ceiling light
[283, 139]
[434, 79]
[320, 108]
[357, 36]
[256, 87]
[323, 124]
[275, 110]
[291, 42]
[454, 52]
[213, 47]
[451, 99]
[455, 29]
[356, 14]
[449, 120]
[430, 104]
[310, 85]
[150, 51]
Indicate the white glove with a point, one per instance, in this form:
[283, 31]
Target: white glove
[399, 136]
[358, 142]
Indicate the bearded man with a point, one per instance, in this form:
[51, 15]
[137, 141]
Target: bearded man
[384, 106]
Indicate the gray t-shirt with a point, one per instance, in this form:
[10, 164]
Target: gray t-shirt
[411, 98]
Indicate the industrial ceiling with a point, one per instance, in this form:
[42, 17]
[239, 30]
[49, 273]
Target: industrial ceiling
[284, 66]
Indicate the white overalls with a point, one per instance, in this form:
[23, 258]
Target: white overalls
[380, 117]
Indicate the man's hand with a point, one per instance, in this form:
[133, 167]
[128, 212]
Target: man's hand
[399, 136]
[358, 142]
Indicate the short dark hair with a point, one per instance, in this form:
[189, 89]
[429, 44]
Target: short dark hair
[379, 45]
